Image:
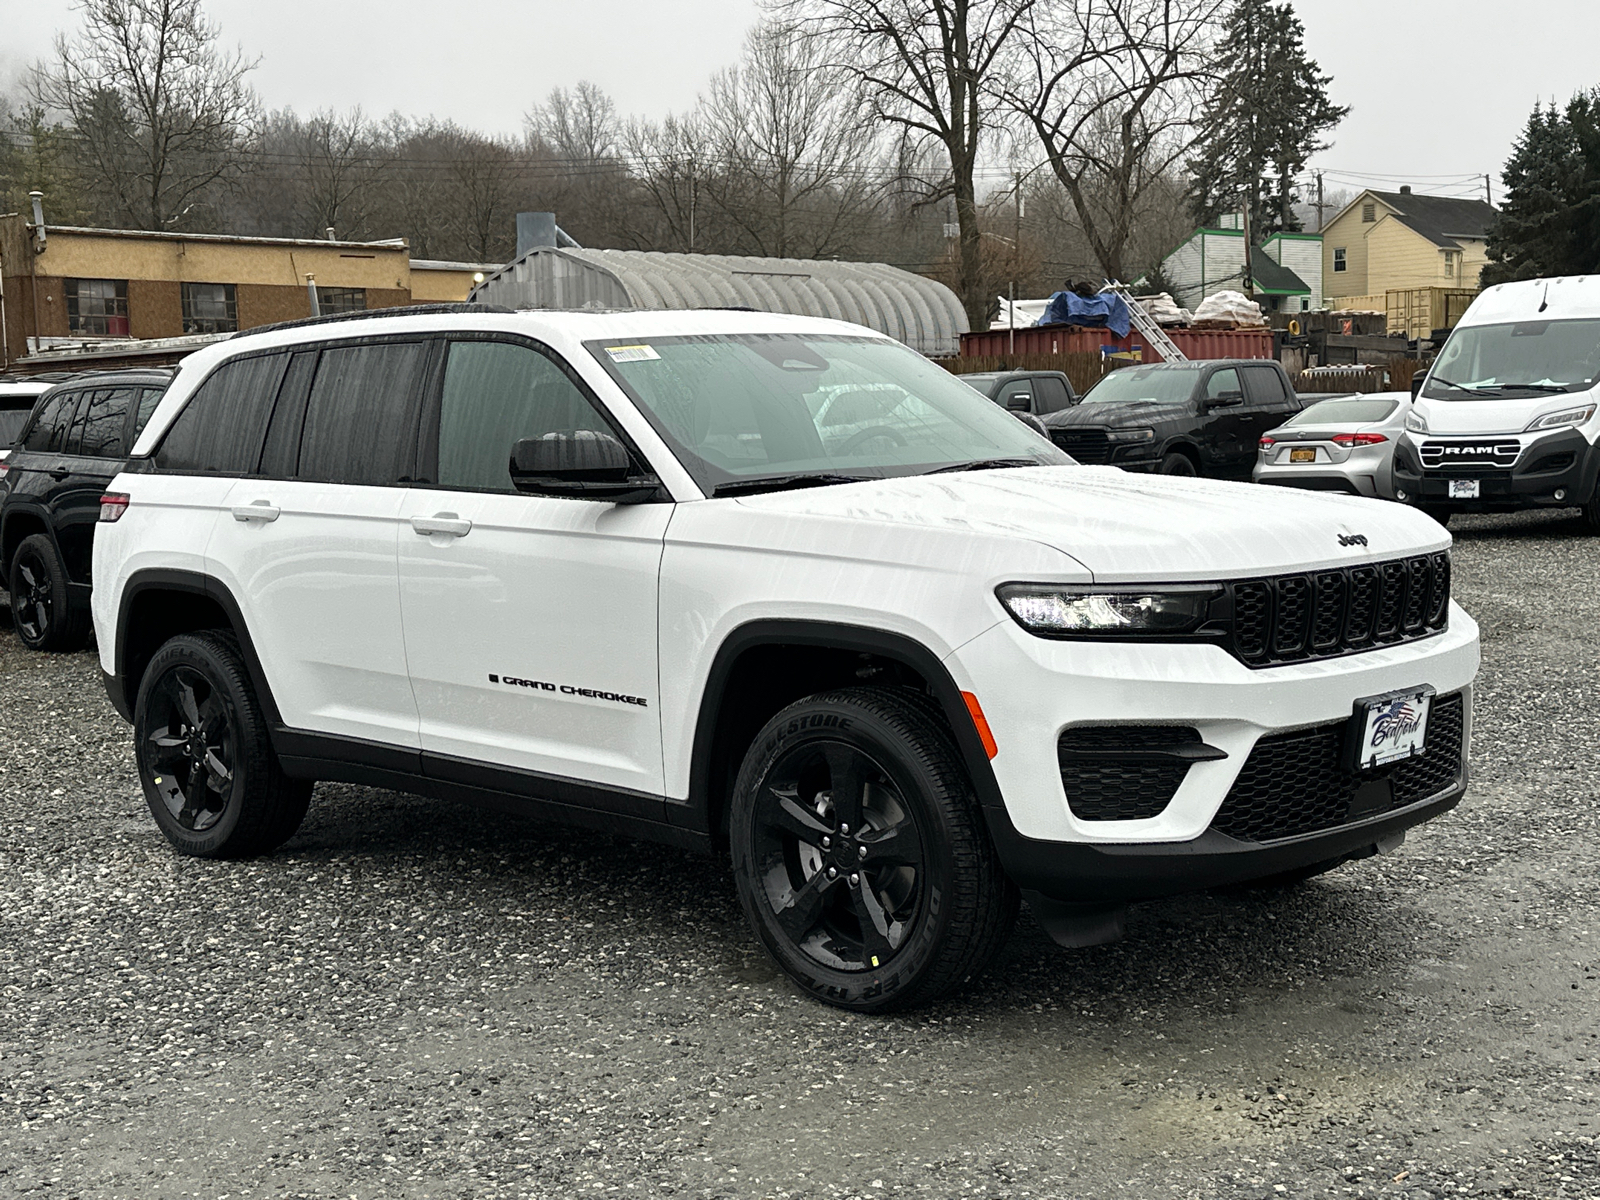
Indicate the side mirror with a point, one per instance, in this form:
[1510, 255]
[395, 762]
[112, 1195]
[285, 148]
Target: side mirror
[1020, 402]
[579, 465]
[1225, 400]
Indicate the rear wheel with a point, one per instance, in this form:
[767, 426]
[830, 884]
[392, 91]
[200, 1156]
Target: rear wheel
[1178, 464]
[860, 856]
[1591, 511]
[41, 611]
[210, 777]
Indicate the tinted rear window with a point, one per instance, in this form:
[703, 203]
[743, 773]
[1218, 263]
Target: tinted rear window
[1353, 410]
[11, 423]
[360, 424]
[221, 428]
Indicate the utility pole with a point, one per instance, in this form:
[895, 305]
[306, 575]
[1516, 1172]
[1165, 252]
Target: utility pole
[1319, 201]
[1488, 196]
[1244, 219]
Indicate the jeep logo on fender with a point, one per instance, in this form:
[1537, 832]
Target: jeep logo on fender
[1352, 539]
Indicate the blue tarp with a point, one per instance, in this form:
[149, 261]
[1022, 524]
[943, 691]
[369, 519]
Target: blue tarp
[1105, 311]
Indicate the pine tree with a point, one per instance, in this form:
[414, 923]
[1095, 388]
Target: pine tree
[1265, 117]
[1550, 223]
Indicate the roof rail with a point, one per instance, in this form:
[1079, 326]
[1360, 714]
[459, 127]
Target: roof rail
[402, 310]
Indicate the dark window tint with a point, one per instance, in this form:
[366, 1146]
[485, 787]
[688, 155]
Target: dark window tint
[221, 427]
[11, 422]
[1221, 383]
[55, 411]
[1017, 395]
[282, 451]
[358, 426]
[496, 394]
[107, 420]
[1052, 393]
[73, 442]
[148, 399]
[1266, 386]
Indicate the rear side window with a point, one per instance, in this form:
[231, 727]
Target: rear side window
[55, 412]
[495, 394]
[107, 420]
[360, 424]
[221, 428]
[1265, 386]
[73, 443]
[148, 399]
[1052, 393]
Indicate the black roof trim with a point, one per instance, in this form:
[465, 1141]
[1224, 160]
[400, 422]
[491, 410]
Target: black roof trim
[402, 310]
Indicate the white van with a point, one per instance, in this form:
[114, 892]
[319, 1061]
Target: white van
[1506, 419]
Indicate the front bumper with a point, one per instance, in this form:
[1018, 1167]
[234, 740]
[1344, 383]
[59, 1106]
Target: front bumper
[1563, 463]
[1033, 689]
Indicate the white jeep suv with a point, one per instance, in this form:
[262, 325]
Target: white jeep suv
[772, 585]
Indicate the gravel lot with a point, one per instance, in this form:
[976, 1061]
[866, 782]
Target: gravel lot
[415, 999]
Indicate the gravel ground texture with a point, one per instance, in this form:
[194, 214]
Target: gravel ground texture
[414, 999]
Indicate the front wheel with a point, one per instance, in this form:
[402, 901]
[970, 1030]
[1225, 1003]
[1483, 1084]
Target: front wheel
[1178, 464]
[860, 855]
[210, 777]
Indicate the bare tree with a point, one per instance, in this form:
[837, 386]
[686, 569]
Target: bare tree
[580, 126]
[930, 67]
[1110, 90]
[669, 159]
[157, 109]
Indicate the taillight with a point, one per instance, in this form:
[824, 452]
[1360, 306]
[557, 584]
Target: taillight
[113, 505]
[1267, 443]
[1357, 439]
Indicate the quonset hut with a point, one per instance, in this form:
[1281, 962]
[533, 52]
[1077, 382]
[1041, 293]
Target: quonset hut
[919, 312]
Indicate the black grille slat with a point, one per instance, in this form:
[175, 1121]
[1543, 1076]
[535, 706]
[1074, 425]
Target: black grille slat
[1089, 446]
[1299, 783]
[1101, 787]
[1294, 617]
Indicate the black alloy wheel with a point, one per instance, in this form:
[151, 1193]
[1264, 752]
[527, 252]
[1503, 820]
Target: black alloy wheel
[41, 612]
[190, 747]
[861, 857]
[841, 857]
[1178, 464]
[205, 759]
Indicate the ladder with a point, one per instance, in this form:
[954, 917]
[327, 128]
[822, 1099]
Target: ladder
[1146, 324]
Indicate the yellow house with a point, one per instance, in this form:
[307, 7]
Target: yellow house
[1385, 241]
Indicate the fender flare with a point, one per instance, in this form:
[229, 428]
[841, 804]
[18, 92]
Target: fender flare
[835, 636]
[28, 509]
[198, 584]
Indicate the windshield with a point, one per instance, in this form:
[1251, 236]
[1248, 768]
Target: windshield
[1151, 385]
[1488, 362]
[1350, 411]
[750, 406]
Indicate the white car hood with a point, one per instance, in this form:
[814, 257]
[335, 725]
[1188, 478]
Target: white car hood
[1123, 526]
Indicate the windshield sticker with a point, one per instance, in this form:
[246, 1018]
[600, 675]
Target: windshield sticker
[628, 354]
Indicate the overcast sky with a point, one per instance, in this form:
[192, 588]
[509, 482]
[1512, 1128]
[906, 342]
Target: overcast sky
[1438, 88]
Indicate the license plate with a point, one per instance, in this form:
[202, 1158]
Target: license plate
[1464, 489]
[1391, 727]
[1302, 456]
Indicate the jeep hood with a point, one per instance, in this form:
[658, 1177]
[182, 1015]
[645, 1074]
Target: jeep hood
[1122, 526]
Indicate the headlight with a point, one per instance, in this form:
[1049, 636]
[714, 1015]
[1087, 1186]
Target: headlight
[1416, 422]
[1131, 435]
[1567, 416]
[1052, 610]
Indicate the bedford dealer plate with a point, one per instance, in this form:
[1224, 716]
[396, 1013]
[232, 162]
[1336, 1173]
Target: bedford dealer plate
[1464, 489]
[1391, 727]
[1307, 455]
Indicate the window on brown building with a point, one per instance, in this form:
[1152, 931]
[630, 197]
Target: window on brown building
[209, 308]
[97, 307]
[332, 300]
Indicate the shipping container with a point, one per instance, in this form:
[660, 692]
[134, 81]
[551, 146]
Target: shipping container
[1417, 312]
[1074, 339]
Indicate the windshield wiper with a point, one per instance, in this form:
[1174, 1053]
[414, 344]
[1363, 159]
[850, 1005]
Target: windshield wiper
[782, 483]
[985, 464]
[1535, 387]
[1462, 387]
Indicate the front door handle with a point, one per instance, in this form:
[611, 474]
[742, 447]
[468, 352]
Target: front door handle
[446, 523]
[256, 510]
[60, 473]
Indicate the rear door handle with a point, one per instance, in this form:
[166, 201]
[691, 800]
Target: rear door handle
[446, 523]
[60, 473]
[257, 510]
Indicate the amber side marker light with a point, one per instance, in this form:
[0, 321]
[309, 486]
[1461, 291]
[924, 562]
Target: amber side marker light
[981, 723]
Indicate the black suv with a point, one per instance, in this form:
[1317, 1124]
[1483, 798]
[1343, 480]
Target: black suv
[1037, 392]
[1190, 418]
[75, 442]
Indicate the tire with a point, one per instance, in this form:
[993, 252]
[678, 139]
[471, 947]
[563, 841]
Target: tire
[1178, 464]
[1439, 512]
[41, 608]
[1591, 512]
[918, 904]
[209, 774]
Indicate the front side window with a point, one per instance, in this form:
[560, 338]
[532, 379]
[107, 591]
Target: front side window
[210, 308]
[1339, 263]
[97, 307]
[221, 428]
[754, 406]
[1487, 362]
[331, 300]
[360, 418]
[496, 394]
[1222, 383]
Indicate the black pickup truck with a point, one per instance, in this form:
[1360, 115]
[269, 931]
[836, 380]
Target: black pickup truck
[1189, 418]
